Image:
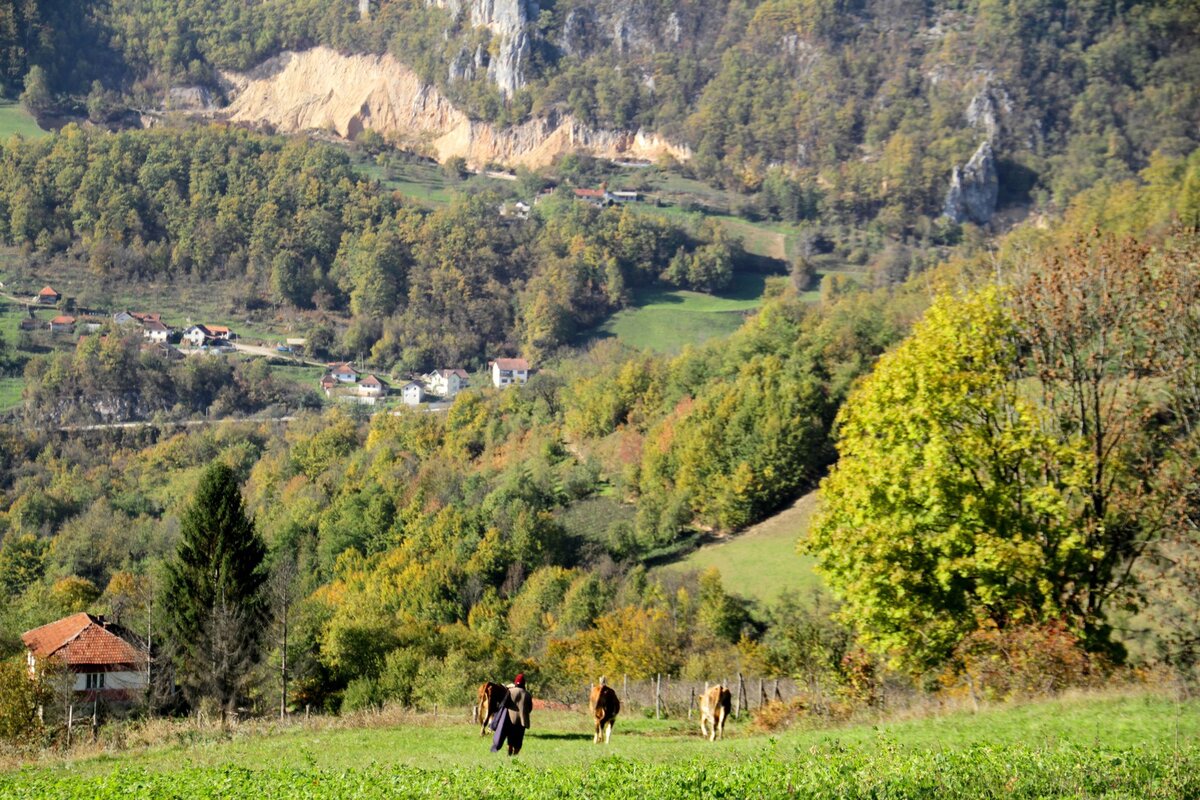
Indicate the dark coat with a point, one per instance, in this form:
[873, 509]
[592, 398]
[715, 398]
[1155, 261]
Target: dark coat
[520, 703]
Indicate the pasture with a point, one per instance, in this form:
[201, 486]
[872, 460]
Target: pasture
[14, 119]
[761, 562]
[1127, 745]
[667, 321]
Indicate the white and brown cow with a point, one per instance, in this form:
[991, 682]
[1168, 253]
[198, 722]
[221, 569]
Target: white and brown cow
[714, 710]
[491, 698]
[605, 706]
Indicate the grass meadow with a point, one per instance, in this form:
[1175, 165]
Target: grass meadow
[761, 562]
[14, 119]
[666, 321]
[1120, 745]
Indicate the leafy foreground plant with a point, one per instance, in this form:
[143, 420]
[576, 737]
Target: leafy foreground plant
[830, 771]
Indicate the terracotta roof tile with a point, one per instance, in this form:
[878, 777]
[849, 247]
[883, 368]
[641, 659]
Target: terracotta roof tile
[81, 639]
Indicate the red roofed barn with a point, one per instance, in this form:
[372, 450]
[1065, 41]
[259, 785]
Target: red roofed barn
[108, 661]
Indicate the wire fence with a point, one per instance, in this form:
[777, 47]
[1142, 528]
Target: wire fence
[671, 696]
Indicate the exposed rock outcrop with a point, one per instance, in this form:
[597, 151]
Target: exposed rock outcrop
[974, 188]
[507, 21]
[323, 90]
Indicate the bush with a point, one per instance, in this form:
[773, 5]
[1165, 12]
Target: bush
[1022, 661]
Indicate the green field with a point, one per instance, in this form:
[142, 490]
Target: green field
[1117, 745]
[666, 321]
[761, 562]
[15, 119]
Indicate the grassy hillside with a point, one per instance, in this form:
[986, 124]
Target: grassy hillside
[14, 119]
[762, 561]
[667, 321]
[1131, 745]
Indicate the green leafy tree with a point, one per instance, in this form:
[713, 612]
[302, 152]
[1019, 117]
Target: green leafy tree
[213, 592]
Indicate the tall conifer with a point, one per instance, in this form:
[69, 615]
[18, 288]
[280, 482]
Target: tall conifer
[213, 593]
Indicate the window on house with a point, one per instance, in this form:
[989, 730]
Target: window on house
[95, 680]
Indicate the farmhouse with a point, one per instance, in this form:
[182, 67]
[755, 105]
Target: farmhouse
[108, 661]
[62, 324]
[155, 331]
[595, 197]
[370, 386]
[343, 373]
[220, 332]
[412, 393]
[197, 335]
[328, 383]
[509, 371]
[47, 297]
[447, 382]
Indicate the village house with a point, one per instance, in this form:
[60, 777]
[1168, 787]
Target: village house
[62, 324]
[90, 324]
[155, 331]
[595, 197]
[197, 335]
[370, 386]
[509, 371]
[328, 383]
[220, 332]
[447, 383]
[108, 662]
[412, 393]
[343, 373]
[47, 297]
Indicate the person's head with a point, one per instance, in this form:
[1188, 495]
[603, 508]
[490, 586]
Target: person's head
[519, 680]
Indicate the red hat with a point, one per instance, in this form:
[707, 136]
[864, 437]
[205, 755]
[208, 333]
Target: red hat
[520, 679]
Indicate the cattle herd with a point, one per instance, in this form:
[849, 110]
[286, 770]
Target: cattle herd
[604, 705]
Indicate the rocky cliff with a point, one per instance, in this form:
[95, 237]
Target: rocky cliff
[974, 189]
[323, 90]
[507, 21]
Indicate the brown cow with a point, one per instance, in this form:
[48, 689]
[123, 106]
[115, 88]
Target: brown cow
[491, 698]
[605, 706]
[714, 710]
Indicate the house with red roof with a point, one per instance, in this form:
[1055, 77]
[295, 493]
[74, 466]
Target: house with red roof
[509, 371]
[47, 297]
[107, 660]
[62, 324]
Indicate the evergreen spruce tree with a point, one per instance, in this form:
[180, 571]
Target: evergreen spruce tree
[213, 593]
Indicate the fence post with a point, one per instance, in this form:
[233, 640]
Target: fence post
[741, 692]
[70, 720]
[691, 702]
[658, 697]
[625, 681]
[762, 694]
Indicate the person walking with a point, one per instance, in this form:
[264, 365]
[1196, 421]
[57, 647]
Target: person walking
[512, 720]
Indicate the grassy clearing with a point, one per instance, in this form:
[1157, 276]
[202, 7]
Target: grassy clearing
[761, 562]
[1130, 745]
[14, 119]
[667, 321]
[10, 393]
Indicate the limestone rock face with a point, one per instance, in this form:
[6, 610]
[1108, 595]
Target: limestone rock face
[974, 188]
[507, 20]
[323, 90]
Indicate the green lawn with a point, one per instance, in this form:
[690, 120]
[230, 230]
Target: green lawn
[761, 562]
[666, 321]
[10, 393]
[1120, 745]
[15, 119]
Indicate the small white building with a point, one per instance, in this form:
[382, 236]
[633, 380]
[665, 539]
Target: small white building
[197, 335]
[156, 331]
[509, 371]
[447, 382]
[343, 373]
[370, 386]
[412, 393]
